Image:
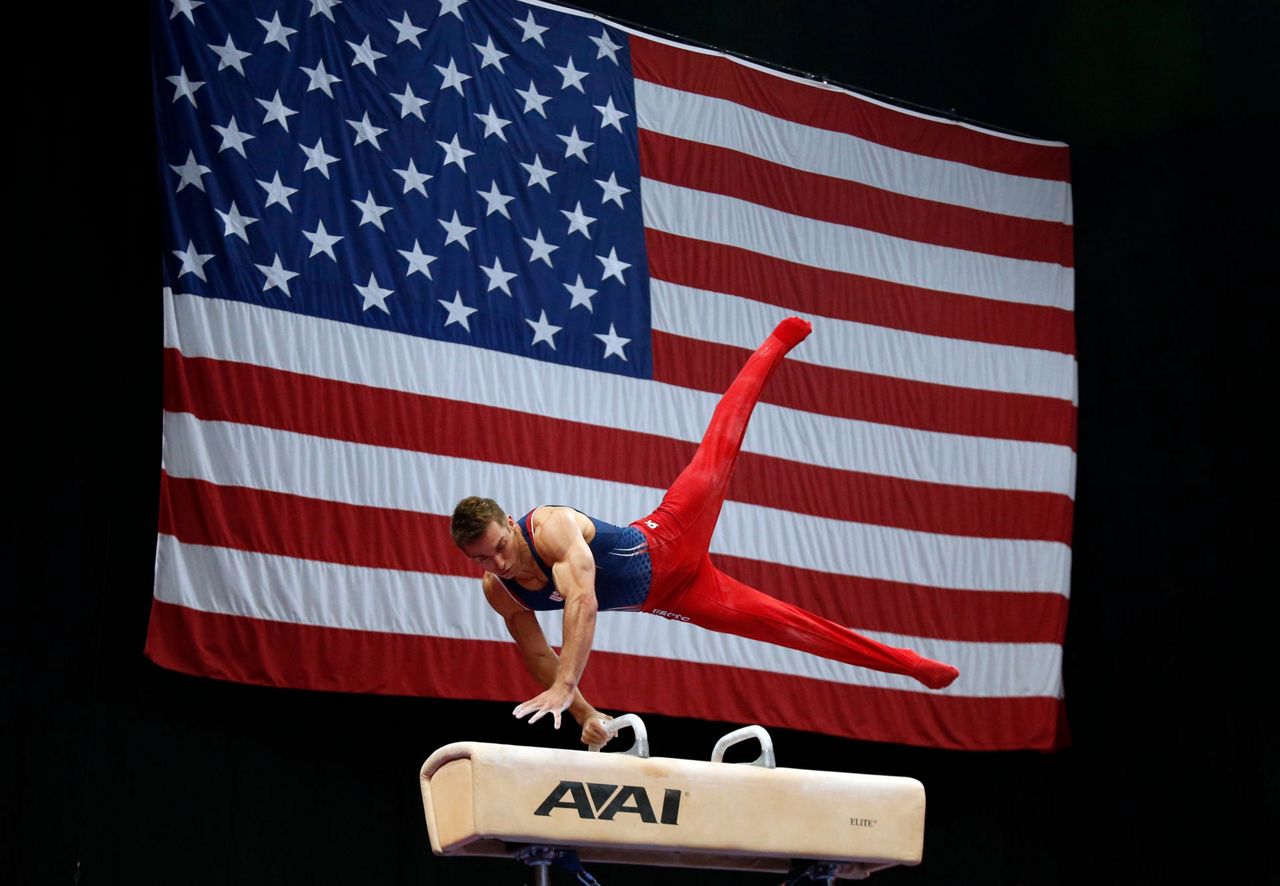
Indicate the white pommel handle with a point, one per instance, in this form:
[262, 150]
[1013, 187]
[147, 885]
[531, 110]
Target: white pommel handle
[737, 736]
[640, 747]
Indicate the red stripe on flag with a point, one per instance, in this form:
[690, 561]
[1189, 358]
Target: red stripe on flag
[720, 77]
[729, 269]
[201, 513]
[868, 604]
[273, 653]
[238, 392]
[707, 366]
[269, 653]
[683, 689]
[732, 173]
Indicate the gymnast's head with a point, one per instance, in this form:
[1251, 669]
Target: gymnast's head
[484, 532]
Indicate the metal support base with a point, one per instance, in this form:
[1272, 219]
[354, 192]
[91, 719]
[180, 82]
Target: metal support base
[814, 872]
[540, 858]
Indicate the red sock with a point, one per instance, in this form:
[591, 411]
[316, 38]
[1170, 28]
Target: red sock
[792, 331]
[934, 674]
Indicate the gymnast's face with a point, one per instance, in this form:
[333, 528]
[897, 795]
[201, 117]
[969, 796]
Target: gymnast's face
[497, 550]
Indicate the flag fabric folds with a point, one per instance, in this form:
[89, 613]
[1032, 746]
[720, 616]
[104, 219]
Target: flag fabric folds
[421, 251]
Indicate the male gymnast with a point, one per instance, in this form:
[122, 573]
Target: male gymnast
[559, 558]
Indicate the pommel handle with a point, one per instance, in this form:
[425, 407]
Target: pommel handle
[737, 736]
[640, 747]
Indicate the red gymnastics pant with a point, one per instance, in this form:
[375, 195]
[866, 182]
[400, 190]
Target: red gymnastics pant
[686, 585]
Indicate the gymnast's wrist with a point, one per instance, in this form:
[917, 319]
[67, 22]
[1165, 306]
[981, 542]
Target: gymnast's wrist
[583, 711]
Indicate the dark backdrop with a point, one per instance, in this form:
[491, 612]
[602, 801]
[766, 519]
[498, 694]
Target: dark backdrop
[119, 772]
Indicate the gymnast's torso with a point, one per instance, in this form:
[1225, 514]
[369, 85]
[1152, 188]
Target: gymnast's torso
[623, 569]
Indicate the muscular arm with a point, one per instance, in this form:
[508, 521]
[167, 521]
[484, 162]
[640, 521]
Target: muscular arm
[561, 544]
[540, 660]
[574, 569]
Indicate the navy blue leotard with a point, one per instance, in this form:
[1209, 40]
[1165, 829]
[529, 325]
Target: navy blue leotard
[623, 569]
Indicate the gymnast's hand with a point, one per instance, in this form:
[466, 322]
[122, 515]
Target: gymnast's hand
[553, 701]
[593, 731]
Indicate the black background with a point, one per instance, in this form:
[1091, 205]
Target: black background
[119, 772]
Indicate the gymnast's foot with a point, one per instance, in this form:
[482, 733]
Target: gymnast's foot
[792, 331]
[934, 674]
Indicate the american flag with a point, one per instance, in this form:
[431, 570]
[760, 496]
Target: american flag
[422, 250]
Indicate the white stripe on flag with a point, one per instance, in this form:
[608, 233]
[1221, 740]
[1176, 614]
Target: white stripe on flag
[726, 124]
[230, 330]
[860, 347]
[715, 218]
[232, 454]
[309, 592]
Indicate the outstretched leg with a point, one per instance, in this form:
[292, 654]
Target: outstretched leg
[679, 531]
[687, 585]
[721, 603]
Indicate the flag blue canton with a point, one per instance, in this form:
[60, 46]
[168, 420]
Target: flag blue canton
[464, 171]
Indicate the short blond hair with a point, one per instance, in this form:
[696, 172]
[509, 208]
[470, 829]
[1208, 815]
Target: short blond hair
[472, 516]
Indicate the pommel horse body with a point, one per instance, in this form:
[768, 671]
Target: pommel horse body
[486, 799]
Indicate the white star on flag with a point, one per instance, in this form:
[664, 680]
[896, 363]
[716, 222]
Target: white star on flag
[410, 103]
[490, 55]
[185, 7]
[493, 124]
[232, 137]
[457, 231]
[323, 7]
[321, 241]
[609, 115]
[452, 77]
[498, 278]
[532, 30]
[578, 220]
[413, 179]
[229, 56]
[317, 158]
[613, 343]
[419, 261]
[365, 55]
[572, 76]
[581, 294]
[321, 79]
[276, 111]
[278, 192]
[277, 276]
[455, 153]
[495, 201]
[370, 212]
[191, 171]
[452, 7]
[540, 249]
[538, 174]
[458, 312]
[543, 331]
[192, 261]
[374, 295]
[366, 131]
[234, 222]
[276, 32]
[606, 47]
[184, 87]
[406, 31]
[574, 146]
[612, 190]
[533, 100]
[612, 266]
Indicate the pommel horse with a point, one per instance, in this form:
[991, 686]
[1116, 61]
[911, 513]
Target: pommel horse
[545, 804]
